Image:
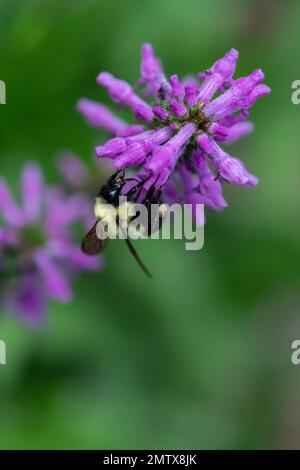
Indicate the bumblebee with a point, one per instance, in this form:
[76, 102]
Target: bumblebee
[107, 207]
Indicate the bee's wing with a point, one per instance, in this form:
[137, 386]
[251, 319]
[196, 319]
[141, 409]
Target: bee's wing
[91, 244]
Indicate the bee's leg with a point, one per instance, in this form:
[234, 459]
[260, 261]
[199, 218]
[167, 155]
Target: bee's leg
[159, 196]
[137, 187]
[151, 191]
[153, 199]
[136, 256]
[151, 196]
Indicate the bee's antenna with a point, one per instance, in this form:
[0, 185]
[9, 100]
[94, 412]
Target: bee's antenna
[132, 179]
[122, 173]
[136, 256]
[118, 174]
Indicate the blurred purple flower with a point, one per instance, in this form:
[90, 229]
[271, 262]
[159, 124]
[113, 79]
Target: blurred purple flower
[79, 177]
[38, 253]
[181, 131]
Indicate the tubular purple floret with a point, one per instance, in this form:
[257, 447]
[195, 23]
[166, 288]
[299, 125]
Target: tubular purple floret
[100, 116]
[122, 93]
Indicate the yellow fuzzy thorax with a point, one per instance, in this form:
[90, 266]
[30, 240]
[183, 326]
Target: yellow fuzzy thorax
[105, 211]
[112, 217]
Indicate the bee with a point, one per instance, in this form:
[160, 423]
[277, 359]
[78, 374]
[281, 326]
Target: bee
[109, 197]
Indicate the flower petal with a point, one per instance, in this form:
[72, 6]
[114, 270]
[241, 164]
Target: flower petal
[152, 74]
[69, 252]
[8, 237]
[209, 186]
[221, 72]
[11, 212]
[56, 283]
[239, 130]
[73, 169]
[166, 156]
[62, 212]
[230, 169]
[29, 300]
[100, 116]
[237, 97]
[32, 191]
[123, 94]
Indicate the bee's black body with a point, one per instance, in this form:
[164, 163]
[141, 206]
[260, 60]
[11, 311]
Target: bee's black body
[111, 191]
[109, 194]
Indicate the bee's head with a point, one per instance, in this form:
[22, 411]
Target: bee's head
[112, 189]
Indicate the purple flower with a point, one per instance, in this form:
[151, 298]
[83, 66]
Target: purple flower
[181, 130]
[38, 253]
[100, 116]
[74, 171]
[152, 74]
[123, 94]
[79, 177]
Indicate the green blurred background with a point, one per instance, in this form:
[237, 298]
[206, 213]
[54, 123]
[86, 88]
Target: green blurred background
[199, 357]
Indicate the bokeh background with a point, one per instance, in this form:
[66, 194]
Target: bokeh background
[199, 357]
